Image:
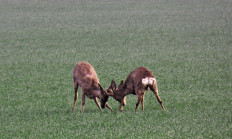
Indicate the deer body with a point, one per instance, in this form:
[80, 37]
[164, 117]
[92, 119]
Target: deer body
[137, 83]
[84, 76]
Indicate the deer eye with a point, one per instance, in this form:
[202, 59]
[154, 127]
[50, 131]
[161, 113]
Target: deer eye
[109, 90]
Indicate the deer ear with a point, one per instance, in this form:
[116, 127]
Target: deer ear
[113, 85]
[121, 84]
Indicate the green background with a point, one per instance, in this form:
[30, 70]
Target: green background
[187, 44]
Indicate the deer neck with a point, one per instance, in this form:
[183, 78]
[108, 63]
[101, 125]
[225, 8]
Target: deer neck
[98, 94]
[91, 93]
[122, 92]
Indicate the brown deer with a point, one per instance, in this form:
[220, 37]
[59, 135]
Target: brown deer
[85, 76]
[137, 83]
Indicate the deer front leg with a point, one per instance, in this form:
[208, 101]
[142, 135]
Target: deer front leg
[96, 102]
[108, 106]
[124, 101]
[83, 101]
[121, 106]
[75, 97]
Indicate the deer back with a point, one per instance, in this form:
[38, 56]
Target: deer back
[85, 76]
[134, 79]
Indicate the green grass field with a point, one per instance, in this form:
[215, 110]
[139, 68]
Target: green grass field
[186, 43]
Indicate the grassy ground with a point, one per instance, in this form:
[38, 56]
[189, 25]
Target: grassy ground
[186, 43]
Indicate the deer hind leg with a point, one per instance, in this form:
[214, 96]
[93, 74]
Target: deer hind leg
[83, 101]
[142, 102]
[75, 96]
[154, 89]
[138, 101]
[96, 102]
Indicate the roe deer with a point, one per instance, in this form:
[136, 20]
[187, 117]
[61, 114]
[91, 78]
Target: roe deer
[137, 82]
[85, 76]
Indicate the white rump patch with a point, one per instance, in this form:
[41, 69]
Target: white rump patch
[148, 81]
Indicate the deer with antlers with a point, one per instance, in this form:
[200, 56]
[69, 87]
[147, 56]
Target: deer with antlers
[84, 76]
[137, 83]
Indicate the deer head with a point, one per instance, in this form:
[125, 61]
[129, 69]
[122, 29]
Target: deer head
[116, 92]
[104, 96]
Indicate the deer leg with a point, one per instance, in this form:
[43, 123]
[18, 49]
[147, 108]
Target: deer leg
[154, 89]
[142, 102]
[124, 101]
[121, 106]
[96, 102]
[83, 101]
[139, 100]
[76, 96]
[108, 106]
